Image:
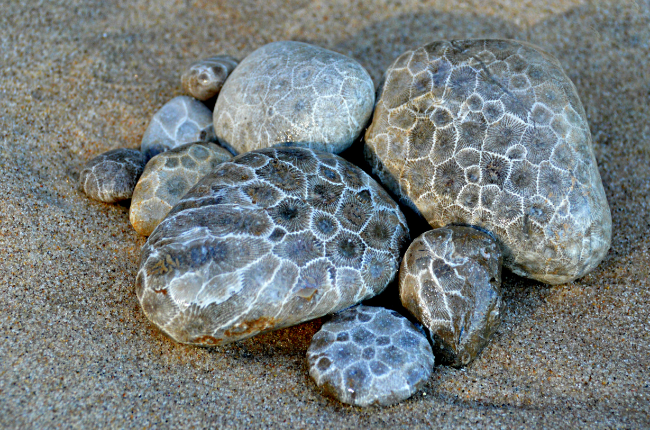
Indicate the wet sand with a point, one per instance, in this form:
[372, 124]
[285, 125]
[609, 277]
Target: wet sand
[80, 78]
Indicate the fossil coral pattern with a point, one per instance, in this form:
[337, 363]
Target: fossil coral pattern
[181, 120]
[370, 356]
[294, 92]
[205, 78]
[275, 237]
[450, 280]
[492, 133]
[111, 177]
[167, 177]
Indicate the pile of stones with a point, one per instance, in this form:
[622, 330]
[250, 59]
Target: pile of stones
[485, 139]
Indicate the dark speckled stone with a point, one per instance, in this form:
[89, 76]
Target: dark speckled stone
[450, 280]
[111, 176]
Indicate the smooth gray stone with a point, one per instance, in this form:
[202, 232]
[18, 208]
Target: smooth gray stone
[204, 78]
[181, 120]
[450, 280]
[294, 92]
[166, 179]
[111, 176]
[370, 356]
[276, 237]
[492, 133]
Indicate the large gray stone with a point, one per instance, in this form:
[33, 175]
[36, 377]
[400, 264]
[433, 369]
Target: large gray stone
[450, 280]
[271, 239]
[370, 356]
[294, 92]
[492, 133]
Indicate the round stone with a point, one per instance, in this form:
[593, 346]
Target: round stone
[204, 78]
[260, 243]
[294, 92]
[450, 280]
[167, 177]
[111, 176]
[492, 133]
[181, 120]
[370, 356]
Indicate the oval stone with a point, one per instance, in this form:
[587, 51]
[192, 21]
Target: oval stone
[370, 356]
[205, 78]
[450, 280]
[276, 237]
[111, 177]
[181, 120]
[492, 133]
[294, 92]
[167, 177]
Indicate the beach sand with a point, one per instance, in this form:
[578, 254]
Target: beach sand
[78, 78]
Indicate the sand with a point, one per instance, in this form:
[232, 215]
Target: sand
[78, 78]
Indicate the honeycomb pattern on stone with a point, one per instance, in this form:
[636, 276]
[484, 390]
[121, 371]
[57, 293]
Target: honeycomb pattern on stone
[370, 356]
[205, 78]
[181, 120]
[294, 92]
[276, 237]
[450, 280]
[167, 177]
[111, 177]
[492, 133]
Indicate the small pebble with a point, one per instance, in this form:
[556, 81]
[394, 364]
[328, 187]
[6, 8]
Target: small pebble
[370, 356]
[181, 120]
[204, 79]
[111, 176]
[450, 280]
[167, 177]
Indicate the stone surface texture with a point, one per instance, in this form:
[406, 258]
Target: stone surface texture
[294, 92]
[370, 356]
[492, 133]
[204, 78]
[181, 120]
[271, 239]
[111, 177]
[167, 177]
[450, 280]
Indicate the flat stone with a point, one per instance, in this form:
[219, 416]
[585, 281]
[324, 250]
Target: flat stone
[294, 92]
[492, 133]
[111, 177]
[450, 280]
[370, 356]
[276, 237]
[181, 120]
[167, 177]
[204, 78]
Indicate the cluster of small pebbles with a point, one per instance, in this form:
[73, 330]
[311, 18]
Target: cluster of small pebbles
[485, 139]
